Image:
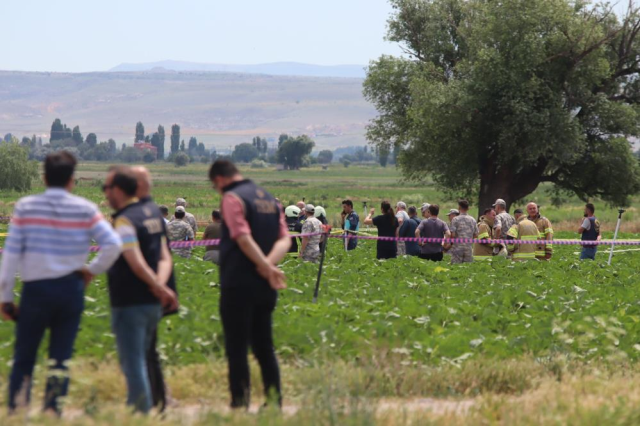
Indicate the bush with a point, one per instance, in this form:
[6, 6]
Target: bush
[346, 162]
[258, 164]
[16, 171]
[181, 159]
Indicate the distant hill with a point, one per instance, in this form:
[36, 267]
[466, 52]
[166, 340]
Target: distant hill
[276, 68]
[220, 109]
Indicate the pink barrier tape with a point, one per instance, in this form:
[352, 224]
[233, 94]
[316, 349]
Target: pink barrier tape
[187, 244]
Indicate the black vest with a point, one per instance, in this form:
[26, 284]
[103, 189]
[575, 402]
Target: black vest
[592, 233]
[125, 288]
[262, 212]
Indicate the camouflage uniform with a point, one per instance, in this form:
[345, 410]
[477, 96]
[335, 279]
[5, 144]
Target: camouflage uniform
[190, 219]
[311, 253]
[464, 226]
[504, 221]
[179, 230]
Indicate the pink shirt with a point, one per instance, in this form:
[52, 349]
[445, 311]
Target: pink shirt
[233, 216]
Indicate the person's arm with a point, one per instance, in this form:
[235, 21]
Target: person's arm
[303, 246]
[369, 219]
[110, 246]
[134, 258]
[584, 226]
[191, 236]
[11, 259]
[418, 234]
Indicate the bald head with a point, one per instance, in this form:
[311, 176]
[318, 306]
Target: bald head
[144, 181]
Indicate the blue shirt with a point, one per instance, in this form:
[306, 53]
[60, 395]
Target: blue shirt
[352, 224]
[408, 229]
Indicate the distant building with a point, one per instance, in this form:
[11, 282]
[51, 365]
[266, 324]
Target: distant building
[146, 147]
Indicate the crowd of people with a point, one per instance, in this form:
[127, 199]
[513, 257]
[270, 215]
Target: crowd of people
[494, 224]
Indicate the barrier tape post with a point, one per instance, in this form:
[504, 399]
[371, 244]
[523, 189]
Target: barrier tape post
[615, 235]
[324, 250]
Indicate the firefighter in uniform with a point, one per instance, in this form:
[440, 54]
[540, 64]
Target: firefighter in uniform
[545, 232]
[485, 232]
[523, 230]
[292, 213]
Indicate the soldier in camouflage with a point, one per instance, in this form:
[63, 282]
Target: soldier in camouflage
[310, 250]
[179, 230]
[463, 226]
[189, 218]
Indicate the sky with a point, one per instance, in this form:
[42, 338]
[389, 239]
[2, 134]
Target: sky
[96, 35]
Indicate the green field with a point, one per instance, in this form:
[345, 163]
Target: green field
[527, 343]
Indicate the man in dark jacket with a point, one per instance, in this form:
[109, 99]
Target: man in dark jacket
[408, 230]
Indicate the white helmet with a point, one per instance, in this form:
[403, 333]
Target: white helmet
[320, 212]
[292, 211]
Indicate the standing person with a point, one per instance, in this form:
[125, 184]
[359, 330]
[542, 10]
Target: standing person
[504, 221]
[425, 210]
[517, 213]
[402, 216]
[463, 226]
[188, 217]
[301, 216]
[310, 249]
[432, 228]
[212, 232]
[387, 225]
[138, 288]
[254, 240]
[350, 224]
[164, 210]
[292, 215]
[48, 245]
[590, 231]
[408, 230]
[159, 390]
[180, 230]
[544, 251]
[482, 251]
[523, 230]
[452, 213]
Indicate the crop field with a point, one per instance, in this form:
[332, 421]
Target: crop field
[392, 342]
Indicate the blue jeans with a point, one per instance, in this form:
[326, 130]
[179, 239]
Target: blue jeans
[134, 327]
[54, 304]
[588, 252]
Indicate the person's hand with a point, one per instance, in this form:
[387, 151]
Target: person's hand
[167, 297]
[9, 311]
[87, 276]
[274, 276]
[372, 211]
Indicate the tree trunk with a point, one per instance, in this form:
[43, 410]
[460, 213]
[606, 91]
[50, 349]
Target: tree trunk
[502, 183]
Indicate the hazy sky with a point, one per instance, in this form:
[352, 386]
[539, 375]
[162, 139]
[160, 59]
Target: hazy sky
[95, 35]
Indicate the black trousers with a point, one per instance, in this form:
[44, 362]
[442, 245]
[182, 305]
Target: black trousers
[156, 378]
[246, 321]
[434, 257]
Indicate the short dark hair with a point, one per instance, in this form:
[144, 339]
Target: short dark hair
[487, 210]
[591, 208]
[216, 215]
[434, 209]
[125, 179]
[58, 168]
[413, 210]
[164, 210]
[224, 168]
[180, 215]
[516, 211]
[348, 203]
[463, 204]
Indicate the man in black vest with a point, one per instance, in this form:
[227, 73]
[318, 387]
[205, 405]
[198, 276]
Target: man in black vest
[590, 230]
[254, 240]
[154, 367]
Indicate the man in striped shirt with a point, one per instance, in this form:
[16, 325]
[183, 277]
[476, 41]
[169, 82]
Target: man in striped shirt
[48, 244]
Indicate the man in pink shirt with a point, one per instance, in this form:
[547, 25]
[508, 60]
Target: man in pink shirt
[254, 240]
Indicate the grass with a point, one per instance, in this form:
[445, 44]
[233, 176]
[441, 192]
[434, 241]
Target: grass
[391, 342]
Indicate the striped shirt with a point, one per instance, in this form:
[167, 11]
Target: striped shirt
[49, 237]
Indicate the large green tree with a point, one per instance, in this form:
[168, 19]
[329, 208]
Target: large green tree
[160, 142]
[139, 132]
[293, 150]
[494, 98]
[16, 171]
[244, 153]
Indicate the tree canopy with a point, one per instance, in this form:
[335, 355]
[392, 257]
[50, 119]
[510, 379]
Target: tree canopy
[293, 150]
[244, 153]
[16, 171]
[495, 98]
